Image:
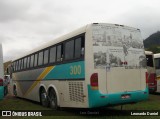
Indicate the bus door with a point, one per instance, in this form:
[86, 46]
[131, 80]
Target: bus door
[152, 83]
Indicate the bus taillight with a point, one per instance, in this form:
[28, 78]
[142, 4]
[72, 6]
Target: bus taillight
[1, 82]
[94, 81]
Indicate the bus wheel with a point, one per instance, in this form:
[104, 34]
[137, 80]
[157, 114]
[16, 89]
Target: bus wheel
[53, 99]
[43, 98]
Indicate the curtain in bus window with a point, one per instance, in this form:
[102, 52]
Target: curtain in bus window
[25, 62]
[69, 50]
[35, 60]
[45, 56]
[40, 58]
[32, 59]
[28, 62]
[59, 53]
[52, 57]
[22, 64]
[78, 48]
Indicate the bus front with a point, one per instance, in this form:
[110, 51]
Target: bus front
[152, 82]
[117, 67]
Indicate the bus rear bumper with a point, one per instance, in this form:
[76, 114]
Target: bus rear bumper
[97, 99]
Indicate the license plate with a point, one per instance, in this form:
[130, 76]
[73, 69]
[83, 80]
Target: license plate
[125, 96]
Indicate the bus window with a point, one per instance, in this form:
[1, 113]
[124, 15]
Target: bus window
[22, 63]
[19, 64]
[52, 56]
[157, 63]
[25, 62]
[82, 46]
[78, 49]
[69, 50]
[46, 57]
[59, 53]
[28, 62]
[16, 64]
[32, 61]
[149, 60]
[35, 59]
[40, 58]
[13, 66]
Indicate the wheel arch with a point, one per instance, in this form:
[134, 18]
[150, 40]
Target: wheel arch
[57, 94]
[42, 86]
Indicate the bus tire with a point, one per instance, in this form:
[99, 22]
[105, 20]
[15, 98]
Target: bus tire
[53, 99]
[43, 97]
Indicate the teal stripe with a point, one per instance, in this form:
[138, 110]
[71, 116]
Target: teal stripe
[73, 70]
[95, 98]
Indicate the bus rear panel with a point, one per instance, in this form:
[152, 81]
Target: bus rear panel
[119, 66]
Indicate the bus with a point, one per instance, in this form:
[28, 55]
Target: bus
[157, 66]
[97, 65]
[152, 82]
[1, 73]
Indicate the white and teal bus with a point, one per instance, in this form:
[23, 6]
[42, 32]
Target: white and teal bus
[97, 65]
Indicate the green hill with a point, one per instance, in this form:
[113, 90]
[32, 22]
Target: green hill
[152, 43]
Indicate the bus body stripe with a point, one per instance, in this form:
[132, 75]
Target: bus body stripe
[40, 77]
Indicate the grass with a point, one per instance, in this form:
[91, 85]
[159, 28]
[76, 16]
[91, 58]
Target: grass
[12, 103]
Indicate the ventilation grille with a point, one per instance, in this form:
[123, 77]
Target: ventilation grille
[76, 91]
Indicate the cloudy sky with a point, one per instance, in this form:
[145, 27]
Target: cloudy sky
[26, 24]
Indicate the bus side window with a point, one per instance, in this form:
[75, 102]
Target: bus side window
[25, 63]
[82, 51]
[35, 59]
[32, 61]
[59, 53]
[22, 63]
[40, 58]
[46, 56]
[16, 65]
[82, 46]
[28, 62]
[78, 49]
[69, 50]
[52, 54]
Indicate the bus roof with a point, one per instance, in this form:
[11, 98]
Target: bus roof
[69, 35]
[148, 52]
[157, 55]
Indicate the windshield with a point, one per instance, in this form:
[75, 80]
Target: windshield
[149, 60]
[157, 63]
[117, 46]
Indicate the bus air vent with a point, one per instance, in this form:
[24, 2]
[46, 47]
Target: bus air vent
[76, 91]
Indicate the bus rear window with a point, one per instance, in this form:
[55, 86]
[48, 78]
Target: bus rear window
[149, 60]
